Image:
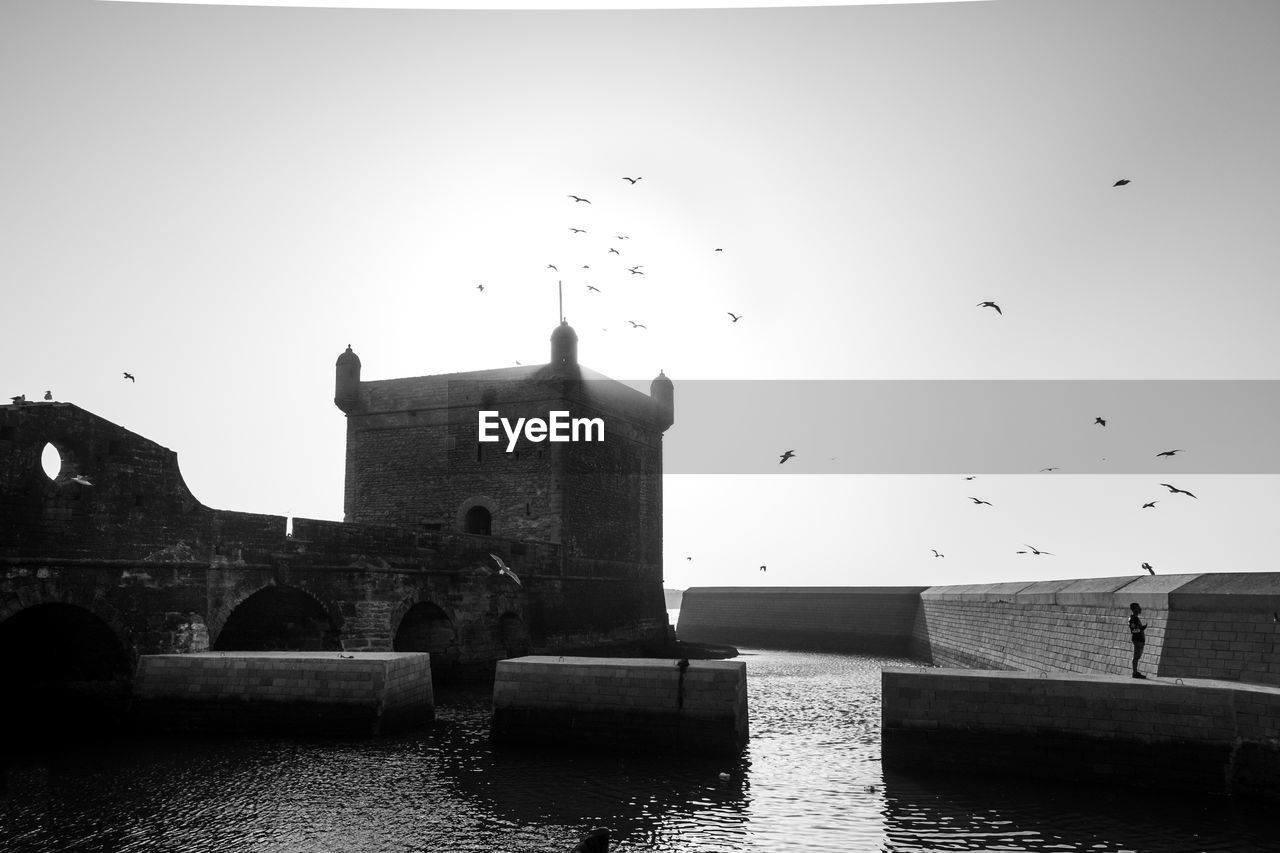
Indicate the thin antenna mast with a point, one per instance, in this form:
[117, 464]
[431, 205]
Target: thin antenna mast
[560, 287]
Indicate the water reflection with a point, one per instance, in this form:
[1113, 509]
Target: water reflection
[809, 779]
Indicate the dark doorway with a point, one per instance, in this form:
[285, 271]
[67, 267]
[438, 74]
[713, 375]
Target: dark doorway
[479, 521]
[512, 635]
[427, 628]
[279, 618]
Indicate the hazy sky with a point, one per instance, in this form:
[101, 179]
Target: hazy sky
[219, 199]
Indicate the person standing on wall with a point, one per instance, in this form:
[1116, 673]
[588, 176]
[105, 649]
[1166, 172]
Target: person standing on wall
[1137, 633]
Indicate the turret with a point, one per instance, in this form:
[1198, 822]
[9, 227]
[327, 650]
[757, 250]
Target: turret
[564, 349]
[664, 394]
[346, 383]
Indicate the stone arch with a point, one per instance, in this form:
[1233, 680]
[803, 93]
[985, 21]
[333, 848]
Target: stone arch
[476, 515]
[513, 635]
[424, 626]
[277, 618]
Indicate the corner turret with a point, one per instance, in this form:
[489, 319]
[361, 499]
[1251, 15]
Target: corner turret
[664, 394]
[564, 349]
[346, 384]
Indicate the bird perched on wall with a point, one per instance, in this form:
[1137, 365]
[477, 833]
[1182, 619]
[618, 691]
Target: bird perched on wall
[21, 398]
[1175, 490]
[48, 395]
[1147, 566]
[503, 570]
[784, 457]
[991, 305]
[129, 376]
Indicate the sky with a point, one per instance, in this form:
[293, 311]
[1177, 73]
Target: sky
[219, 199]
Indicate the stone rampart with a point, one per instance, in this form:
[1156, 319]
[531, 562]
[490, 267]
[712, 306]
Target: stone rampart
[327, 693]
[629, 703]
[1210, 736]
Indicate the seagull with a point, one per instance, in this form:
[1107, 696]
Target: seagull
[1177, 491]
[764, 568]
[615, 251]
[632, 180]
[976, 501]
[575, 198]
[991, 305]
[593, 287]
[48, 395]
[21, 398]
[1100, 421]
[346, 657]
[970, 477]
[81, 479]
[503, 570]
[622, 236]
[719, 250]
[1050, 469]
[553, 267]
[578, 230]
[784, 457]
[1038, 552]
[636, 325]
[736, 317]
[480, 287]
[1170, 452]
[129, 376]
[634, 270]
[935, 552]
[1121, 182]
[1150, 504]
[1147, 566]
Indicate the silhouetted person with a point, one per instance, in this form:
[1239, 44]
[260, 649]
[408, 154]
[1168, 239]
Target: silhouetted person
[1137, 633]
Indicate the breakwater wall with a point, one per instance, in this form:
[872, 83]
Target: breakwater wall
[1221, 625]
[1198, 735]
[625, 703]
[866, 618]
[311, 692]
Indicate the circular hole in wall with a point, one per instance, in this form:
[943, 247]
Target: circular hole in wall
[51, 461]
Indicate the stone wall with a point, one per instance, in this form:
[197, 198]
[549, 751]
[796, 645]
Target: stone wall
[836, 618]
[283, 691]
[630, 703]
[1206, 736]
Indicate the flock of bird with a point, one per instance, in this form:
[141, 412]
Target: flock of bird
[636, 269]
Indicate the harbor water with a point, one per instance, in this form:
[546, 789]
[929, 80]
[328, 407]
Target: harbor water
[810, 779]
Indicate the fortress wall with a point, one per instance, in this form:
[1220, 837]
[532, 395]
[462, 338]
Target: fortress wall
[1223, 626]
[835, 618]
[630, 703]
[1213, 737]
[317, 692]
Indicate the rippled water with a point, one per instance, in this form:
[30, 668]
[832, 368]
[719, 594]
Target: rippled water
[809, 780]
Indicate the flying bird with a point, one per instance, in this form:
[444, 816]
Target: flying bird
[1121, 182]
[1100, 421]
[970, 477]
[622, 236]
[736, 317]
[553, 267]
[575, 198]
[634, 271]
[719, 250]
[636, 325]
[1175, 490]
[48, 395]
[1038, 552]
[81, 479]
[1050, 469]
[1170, 452]
[935, 552]
[480, 287]
[503, 570]
[578, 230]
[632, 180]
[615, 251]
[593, 287]
[991, 305]
[764, 568]
[976, 501]
[1147, 566]
[1150, 504]
[785, 456]
[688, 558]
[129, 376]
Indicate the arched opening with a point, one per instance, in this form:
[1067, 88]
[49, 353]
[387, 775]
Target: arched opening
[51, 461]
[66, 671]
[427, 628]
[512, 635]
[279, 618]
[478, 520]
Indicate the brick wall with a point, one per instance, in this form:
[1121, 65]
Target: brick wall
[862, 618]
[625, 702]
[296, 691]
[1212, 737]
